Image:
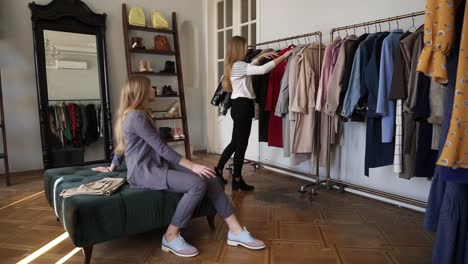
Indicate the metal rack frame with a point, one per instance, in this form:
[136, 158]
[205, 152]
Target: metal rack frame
[329, 182]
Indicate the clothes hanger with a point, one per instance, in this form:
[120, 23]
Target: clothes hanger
[412, 26]
[389, 26]
[380, 27]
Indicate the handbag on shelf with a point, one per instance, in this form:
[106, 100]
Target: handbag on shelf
[161, 43]
[159, 20]
[136, 17]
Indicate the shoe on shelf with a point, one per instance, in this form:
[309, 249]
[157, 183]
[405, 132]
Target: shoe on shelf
[181, 133]
[241, 185]
[148, 66]
[173, 111]
[142, 66]
[179, 247]
[169, 67]
[175, 134]
[167, 91]
[136, 43]
[244, 239]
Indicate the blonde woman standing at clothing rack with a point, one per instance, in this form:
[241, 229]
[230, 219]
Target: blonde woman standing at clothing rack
[238, 81]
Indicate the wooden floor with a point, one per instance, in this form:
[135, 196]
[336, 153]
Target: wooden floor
[332, 228]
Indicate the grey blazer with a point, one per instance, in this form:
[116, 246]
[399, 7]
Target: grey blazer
[147, 155]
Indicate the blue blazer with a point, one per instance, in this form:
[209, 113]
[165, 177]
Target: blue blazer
[148, 157]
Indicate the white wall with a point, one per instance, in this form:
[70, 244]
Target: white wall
[18, 75]
[74, 84]
[278, 20]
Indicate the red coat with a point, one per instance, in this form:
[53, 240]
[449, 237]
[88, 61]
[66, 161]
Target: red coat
[275, 125]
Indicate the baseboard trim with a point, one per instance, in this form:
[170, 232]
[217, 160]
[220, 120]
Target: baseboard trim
[22, 173]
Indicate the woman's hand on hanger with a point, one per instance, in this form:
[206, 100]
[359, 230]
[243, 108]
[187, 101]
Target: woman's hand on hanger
[270, 55]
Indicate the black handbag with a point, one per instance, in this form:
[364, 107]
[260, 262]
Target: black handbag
[219, 95]
[225, 104]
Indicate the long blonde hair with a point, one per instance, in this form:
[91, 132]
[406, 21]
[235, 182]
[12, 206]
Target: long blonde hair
[134, 96]
[235, 52]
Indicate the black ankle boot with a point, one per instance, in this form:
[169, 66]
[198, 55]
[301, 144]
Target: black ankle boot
[219, 174]
[238, 183]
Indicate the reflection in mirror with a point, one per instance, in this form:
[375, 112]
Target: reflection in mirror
[76, 129]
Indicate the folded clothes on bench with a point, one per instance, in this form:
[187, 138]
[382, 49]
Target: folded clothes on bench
[105, 186]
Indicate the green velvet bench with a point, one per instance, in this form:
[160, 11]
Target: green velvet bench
[93, 219]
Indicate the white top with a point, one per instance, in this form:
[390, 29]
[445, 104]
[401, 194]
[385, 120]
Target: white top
[241, 81]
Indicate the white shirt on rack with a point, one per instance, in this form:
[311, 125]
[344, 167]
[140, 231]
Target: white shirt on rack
[241, 81]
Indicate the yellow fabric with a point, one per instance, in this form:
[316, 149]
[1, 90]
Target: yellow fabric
[159, 21]
[455, 151]
[438, 38]
[137, 17]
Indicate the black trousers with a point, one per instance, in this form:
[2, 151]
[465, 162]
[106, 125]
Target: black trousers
[242, 112]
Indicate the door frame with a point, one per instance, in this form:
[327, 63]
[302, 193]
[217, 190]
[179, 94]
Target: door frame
[211, 50]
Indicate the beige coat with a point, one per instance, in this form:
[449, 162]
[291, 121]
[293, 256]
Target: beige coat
[303, 104]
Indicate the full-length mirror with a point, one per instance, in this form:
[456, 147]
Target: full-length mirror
[71, 74]
[75, 111]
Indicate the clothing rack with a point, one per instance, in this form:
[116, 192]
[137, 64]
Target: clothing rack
[317, 34]
[316, 178]
[329, 182]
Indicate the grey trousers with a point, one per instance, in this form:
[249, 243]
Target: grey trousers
[194, 188]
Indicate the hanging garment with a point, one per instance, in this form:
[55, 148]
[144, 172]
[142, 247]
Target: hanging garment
[348, 68]
[322, 92]
[437, 104]
[92, 132]
[325, 75]
[397, 92]
[411, 47]
[283, 97]
[304, 101]
[357, 89]
[377, 154]
[345, 55]
[84, 127]
[71, 110]
[68, 129]
[455, 151]
[334, 56]
[58, 123]
[447, 208]
[283, 105]
[275, 124]
[386, 107]
[426, 157]
[439, 22]
[294, 67]
[79, 124]
[260, 85]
